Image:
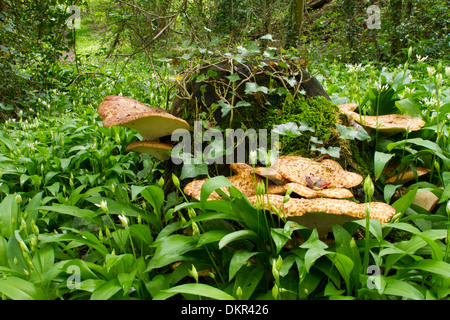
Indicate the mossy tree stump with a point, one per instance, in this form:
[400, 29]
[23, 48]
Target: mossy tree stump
[259, 95]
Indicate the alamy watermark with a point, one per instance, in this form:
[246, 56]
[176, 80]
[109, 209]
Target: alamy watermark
[375, 281]
[74, 21]
[374, 17]
[74, 280]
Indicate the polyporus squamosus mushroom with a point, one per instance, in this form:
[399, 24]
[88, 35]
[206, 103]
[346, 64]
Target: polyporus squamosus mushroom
[272, 175]
[389, 124]
[152, 123]
[304, 191]
[321, 213]
[402, 177]
[244, 180]
[300, 170]
[157, 149]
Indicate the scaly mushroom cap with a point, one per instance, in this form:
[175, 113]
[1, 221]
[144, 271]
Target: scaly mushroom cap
[244, 180]
[296, 207]
[304, 191]
[157, 149]
[389, 124]
[405, 176]
[152, 123]
[295, 169]
[271, 174]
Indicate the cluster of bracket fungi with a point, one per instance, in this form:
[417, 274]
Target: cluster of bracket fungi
[322, 187]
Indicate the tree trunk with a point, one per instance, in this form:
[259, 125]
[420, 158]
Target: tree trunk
[295, 32]
[396, 20]
[299, 10]
[350, 33]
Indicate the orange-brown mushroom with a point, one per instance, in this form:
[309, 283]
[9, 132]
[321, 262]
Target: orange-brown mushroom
[151, 123]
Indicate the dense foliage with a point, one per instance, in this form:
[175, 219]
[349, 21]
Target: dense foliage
[81, 218]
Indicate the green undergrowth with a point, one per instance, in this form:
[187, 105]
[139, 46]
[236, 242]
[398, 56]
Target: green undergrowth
[82, 219]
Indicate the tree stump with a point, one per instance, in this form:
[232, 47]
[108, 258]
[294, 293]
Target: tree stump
[256, 95]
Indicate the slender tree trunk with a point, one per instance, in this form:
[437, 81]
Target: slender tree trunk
[350, 33]
[295, 32]
[396, 20]
[299, 12]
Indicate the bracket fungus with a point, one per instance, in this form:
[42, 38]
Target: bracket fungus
[300, 170]
[320, 185]
[152, 123]
[403, 176]
[244, 180]
[157, 149]
[389, 124]
[304, 191]
[320, 213]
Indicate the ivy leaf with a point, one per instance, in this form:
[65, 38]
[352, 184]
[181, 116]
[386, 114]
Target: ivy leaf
[292, 82]
[352, 134]
[267, 37]
[252, 87]
[304, 126]
[242, 104]
[332, 151]
[289, 129]
[211, 73]
[315, 140]
[233, 77]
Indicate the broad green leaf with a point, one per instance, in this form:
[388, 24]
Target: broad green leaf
[126, 280]
[211, 236]
[136, 190]
[20, 289]
[427, 144]
[346, 245]
[380, 161]
[248, 279]
[200, 289]
[239, 258]
[45, 260]
[15, 256]
[85, 214]
[155, 196]
[237, 235]
[344, 265]
[171, 250]
[403, 226]
[142, 232]
[445, 195]
[330, 290]
[408, 106]
[106, 290]
[211, 185]
[389, 190]
[158, 283]
[3, 252]
[441, 268]
[402, 289]
[279, 237]
[405, 202]
[375, 227]
[84, 238]
[8, 216]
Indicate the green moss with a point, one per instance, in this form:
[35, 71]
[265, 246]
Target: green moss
[317, 112]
